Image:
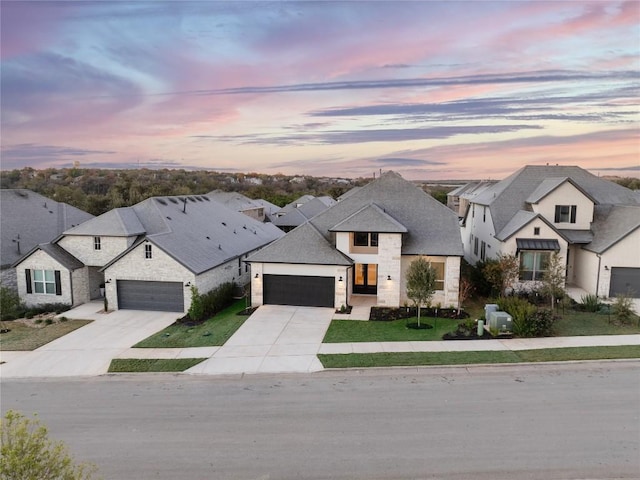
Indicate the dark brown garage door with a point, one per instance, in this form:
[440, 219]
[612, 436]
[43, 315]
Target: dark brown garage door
[625, 281]
[299, 290]
[156, 296]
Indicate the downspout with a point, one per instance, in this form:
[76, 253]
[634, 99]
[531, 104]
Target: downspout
[71, 285]
[598, 276]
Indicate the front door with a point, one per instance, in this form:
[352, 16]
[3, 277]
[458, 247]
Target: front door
[365, 279]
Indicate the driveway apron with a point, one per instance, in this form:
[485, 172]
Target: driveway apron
[275, 339]
[89, 349]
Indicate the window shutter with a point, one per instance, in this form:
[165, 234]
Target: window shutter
[557, 218]
[27, 275]
[573, 214]
[58, 285]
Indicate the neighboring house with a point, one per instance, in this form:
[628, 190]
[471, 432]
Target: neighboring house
[592, 223]
[363, 245]
[269, 209]
[146, 257]
[239, 203]
[26, 220]
[300, 211]
[458, 199]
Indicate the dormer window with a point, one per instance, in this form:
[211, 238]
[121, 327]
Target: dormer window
[96, 243]
[565, 214]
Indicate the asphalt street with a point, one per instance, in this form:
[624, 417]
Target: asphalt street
[565, 421]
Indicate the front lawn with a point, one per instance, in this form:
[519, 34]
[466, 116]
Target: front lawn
[344, 331]
[212, 332]
[362, 360]
[574, 323]
[29, 335]
[124, 365]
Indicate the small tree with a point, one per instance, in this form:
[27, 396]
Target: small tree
[623, 308]
[553, 278]
[465, 289]
[10, 305]
[421, 283]
[502, 273]
[196, 310]
[27, 452]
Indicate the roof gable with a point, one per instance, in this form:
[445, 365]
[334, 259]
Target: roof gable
[548, 185]
[612, 224]
[370, 218]
[119, 222]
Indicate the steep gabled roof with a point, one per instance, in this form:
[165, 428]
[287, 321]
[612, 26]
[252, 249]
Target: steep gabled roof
[611, 224]
[507, 197]
[57, 253]
[298, 212]
[370, 218]
[234, 200]
[119, 222]
[28, 219]
[198, 232]
[302, 245]
[519, 220]
[548, 185]
[432, 228]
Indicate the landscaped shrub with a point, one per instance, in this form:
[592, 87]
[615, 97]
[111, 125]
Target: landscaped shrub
[196, 310]
[10, 305]
[520, 310]
[540, 324]
[590, 303]
[217, 299]
[623, 309]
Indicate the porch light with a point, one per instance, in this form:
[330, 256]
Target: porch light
[108, 281]
[389, 277]
[188, 284]
[256, 276]
[340, 279]
[606, 267]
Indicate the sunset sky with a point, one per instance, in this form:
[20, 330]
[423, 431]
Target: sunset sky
[433, 90]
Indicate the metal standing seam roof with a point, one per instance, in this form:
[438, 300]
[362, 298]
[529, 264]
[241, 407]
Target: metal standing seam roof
[537, 244]
[28, 219]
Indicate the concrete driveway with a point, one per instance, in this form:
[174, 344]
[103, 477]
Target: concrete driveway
[275, 339]
[89, 349]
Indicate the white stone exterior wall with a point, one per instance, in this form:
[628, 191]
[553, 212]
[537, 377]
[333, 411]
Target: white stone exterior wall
[625, 253]
[134, 266]
[39, 260]
[81, 290]
[81, 247]
[446, 297]
[567, 194]
[389, 265]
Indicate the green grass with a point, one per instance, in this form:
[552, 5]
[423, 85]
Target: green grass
[213, 332]
[341, 331]
[23, 337]
[587, 323]
[361, 360]
[120, 365]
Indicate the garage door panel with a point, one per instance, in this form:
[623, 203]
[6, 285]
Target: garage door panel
[299, 290]
[625, 281]
[148, 295]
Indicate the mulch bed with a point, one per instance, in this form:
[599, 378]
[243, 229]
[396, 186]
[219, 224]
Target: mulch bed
[387, 314]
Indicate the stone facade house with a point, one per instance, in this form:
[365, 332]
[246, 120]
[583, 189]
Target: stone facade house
[145, 257]
[362, 245]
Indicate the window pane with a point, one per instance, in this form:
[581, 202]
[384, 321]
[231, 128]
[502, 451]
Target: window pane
[526, 260]
[48, 276]
[439, 268]
[51, 288]
[38, 275]
[372, 274]
[361, 239]
[359, 274]
[374, 239]
[38, 287]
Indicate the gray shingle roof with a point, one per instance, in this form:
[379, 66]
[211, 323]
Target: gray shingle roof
[519, 220]
[432, 227]
[611, 224]
[370, 218]
[298, 212]
[202, 233]
[302, 245]
[234, 200]
[507, 197]
[577, 236]
[119, 222]
[548, 185]
[57, 253]
[29, 219]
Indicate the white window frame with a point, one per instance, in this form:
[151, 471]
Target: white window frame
[539, 265]
[44, 282]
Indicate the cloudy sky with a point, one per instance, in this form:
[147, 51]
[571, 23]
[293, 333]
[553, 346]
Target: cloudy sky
[432, 89]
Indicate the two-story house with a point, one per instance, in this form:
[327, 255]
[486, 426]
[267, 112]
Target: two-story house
[145, 257]
[362, 245]
[593, 224]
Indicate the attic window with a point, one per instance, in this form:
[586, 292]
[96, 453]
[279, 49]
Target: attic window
[96, 243]
[148, 252]
[565, 214]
